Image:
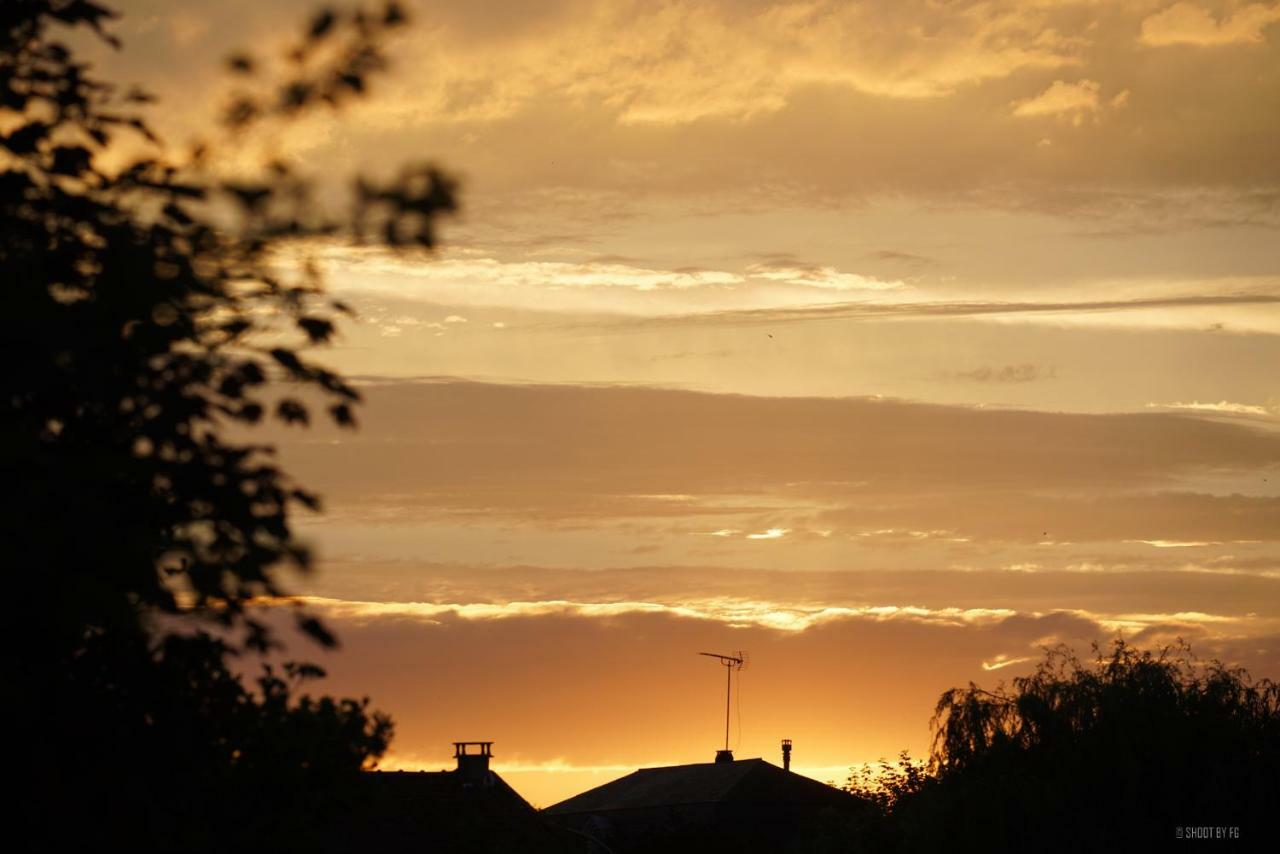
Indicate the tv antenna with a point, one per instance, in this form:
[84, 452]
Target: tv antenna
[731, 663]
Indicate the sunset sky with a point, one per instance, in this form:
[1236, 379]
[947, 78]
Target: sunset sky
[888, 341]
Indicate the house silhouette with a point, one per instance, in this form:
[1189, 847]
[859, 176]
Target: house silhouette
[747, 805]
[744, 806]
[470, 810]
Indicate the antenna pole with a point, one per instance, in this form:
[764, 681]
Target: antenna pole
[728, 692]
[731, 663]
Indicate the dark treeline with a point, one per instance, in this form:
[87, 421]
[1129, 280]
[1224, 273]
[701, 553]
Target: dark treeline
[1117, 754]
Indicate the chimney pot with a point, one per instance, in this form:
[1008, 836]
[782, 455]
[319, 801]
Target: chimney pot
[786, 754]
[724, 756]
[473, 767]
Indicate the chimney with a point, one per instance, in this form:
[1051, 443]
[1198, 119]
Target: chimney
[724, 756]
[786, 754]
[473, 768]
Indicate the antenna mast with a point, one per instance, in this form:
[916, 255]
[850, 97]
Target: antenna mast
[731, 663]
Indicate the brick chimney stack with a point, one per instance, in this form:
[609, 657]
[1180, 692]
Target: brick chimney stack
[473, 768]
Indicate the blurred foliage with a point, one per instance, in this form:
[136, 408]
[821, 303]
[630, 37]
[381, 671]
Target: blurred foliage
[167, 748]
[1117, 754]
[138, 328]
[148, 309]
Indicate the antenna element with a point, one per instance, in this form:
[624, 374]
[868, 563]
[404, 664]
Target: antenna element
[731, 663]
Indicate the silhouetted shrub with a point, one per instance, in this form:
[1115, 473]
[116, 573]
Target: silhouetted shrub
[1119, 754]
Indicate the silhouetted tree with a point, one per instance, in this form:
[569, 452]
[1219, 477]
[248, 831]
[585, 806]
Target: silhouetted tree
[142, 315]
[1116, 755]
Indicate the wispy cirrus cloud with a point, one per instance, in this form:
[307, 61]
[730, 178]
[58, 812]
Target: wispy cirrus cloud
[1224, 407]
[1002, 661]
[469, 277]
[921, 309]
[778, 616]
[1021, 373]
[1189, 23]
[781, 616]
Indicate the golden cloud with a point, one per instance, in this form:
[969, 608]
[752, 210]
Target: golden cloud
[683, 62]
[1191, 24]
[1062, 98]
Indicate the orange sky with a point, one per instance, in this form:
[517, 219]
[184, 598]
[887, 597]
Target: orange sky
[888, 341]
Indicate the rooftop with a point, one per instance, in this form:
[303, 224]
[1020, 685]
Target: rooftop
[744, 781]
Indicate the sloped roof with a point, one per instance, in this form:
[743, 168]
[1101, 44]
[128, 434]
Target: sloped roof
[741, 781]
[438, 811]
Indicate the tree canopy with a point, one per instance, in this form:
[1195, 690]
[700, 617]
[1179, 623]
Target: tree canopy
[1117, 753]
[145, 313]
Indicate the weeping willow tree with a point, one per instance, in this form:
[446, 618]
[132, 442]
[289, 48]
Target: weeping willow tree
[1119, 752]
[144, 324]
